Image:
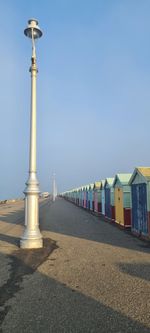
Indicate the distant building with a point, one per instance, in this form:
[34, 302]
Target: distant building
[44, 194]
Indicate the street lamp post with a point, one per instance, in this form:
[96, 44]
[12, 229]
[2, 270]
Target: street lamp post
[32, 237]
[54, 189]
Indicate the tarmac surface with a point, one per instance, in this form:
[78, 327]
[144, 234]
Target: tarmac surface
[89, 277]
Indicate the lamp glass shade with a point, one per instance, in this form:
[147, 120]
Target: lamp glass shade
[33, 26]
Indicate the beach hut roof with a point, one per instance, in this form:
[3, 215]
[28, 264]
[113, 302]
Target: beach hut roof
[82, 187]
[109, 181]
[142, 171]
[97, 185]
[85, 187]
[102, 183]
[145, 171]
[91, 186]
[123, 178]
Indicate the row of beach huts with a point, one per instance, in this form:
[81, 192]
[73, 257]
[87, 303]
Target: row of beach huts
[124, 200]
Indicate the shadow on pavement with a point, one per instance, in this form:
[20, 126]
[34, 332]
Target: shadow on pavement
[9, 239]
[141, 271]
[38, 303]
[12, 217]
[65, 218]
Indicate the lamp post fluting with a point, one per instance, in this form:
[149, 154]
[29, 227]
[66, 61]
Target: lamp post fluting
[32, 237]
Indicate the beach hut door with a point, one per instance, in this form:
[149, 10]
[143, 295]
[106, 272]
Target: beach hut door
[139, 202]
[107, 203]
[143, 208]
[119, 205]
[103, 202]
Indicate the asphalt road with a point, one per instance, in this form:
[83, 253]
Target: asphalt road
[92, 276]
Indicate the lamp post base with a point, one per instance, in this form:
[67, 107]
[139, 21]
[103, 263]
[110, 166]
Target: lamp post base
[31, 243]
[32, 238]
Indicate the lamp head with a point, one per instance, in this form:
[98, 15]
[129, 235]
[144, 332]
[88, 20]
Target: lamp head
[33, 26]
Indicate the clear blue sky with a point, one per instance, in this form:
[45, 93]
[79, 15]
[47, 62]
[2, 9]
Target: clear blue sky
[93, 102]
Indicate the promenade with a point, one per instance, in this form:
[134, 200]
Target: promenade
[89, 277]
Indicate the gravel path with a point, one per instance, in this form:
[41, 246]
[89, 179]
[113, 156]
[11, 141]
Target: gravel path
[97, 279]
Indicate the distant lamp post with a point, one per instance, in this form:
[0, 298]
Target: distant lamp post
[54, 188]
[32, 237]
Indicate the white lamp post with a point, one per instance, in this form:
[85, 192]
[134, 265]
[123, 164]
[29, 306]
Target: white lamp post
[54, 190]
[32, 237]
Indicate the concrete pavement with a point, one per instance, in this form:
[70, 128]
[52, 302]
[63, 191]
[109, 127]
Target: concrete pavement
[92, 277]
